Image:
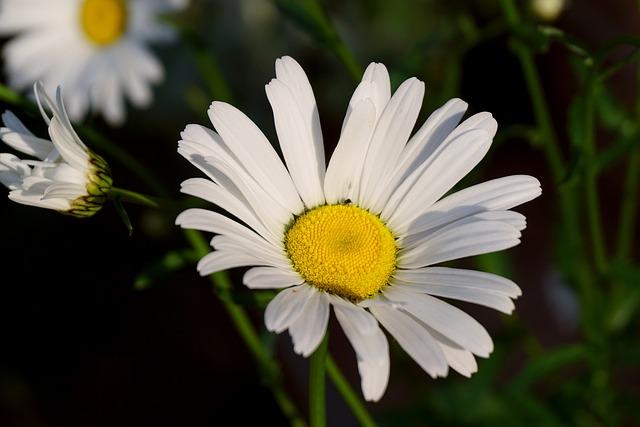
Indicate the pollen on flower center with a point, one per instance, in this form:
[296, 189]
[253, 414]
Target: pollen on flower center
[103, 21]
[342, 249]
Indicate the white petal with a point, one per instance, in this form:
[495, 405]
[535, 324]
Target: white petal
[361, 320]
[413, 338]
[498, 194]
[267, 254]
[27, 198]
[450, 162]
[459, 359]
[286, 307]
[422, 145]
[455, 277]
[389, 138]
[461, 241]
[309, 328]
[297, 144]
[254, 152]
[415, 240]
[271, 278]
[63, 190]
[370, 345]
[18, 137]
[345, 166]
[234, 203]
[12, 171]
[224, 260]
[448, 320]
[289, 72]
[272, 215]
[375, 86]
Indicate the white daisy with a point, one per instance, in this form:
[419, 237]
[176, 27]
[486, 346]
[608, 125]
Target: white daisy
[361, 234]
[67, 177]
[96, 49]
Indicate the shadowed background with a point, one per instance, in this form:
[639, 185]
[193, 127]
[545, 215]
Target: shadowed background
[83, 345]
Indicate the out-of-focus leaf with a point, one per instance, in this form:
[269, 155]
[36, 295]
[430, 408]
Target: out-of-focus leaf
[572, 44]
[575, 122]
[171, 262]
[310, 17]
[617, 151]
[537, 412]
[197, 99]
[496, 262]
[626, 301]
[545, 364]
[122, 213]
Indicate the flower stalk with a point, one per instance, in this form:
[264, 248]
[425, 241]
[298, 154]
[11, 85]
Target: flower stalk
[317, 384]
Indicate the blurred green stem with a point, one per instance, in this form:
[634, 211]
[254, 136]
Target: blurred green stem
[629, 208]
[311, 17]
[591, 185]
[136, 198]
[223, 288]
[207, 64]
[317, 384]
[566, 199]
[348, 394]
[270, 369]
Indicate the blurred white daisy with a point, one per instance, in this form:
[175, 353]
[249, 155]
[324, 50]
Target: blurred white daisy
[362, 233]
[96, 49]
[66, 177]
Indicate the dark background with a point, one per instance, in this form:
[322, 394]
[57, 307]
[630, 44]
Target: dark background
[80, 346]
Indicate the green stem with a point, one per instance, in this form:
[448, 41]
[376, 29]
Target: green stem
[350, 397]
[579, 268]
[270, 369]
[311, 17]
[347, 59]
[317, 385]
[629, 208]
[591, 186]
[134, 197]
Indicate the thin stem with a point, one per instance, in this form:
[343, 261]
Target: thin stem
[566, 200]
[629, 208]
[317, 385]
[134, 197]
[242, 322]
[269, 368]
[312, 18]
[347, 59]
[350, 397]
[591, 186]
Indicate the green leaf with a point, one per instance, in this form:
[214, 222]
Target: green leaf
[311, 18]
[626, 301]
[171, 262]
[122, 213]
[544, 365]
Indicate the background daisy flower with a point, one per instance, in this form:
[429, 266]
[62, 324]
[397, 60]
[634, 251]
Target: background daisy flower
[66, 177]
[362, 234]
[96, 49]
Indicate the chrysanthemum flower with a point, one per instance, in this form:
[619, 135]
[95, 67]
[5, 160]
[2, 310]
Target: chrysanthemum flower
[96, 49]
[363, 233]
[66, 177]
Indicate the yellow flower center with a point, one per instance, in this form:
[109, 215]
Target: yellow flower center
[342, 249]
[103, 21]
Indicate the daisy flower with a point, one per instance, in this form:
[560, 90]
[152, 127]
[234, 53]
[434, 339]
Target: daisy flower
[361, 235]
[96, 49]
[66, 177]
